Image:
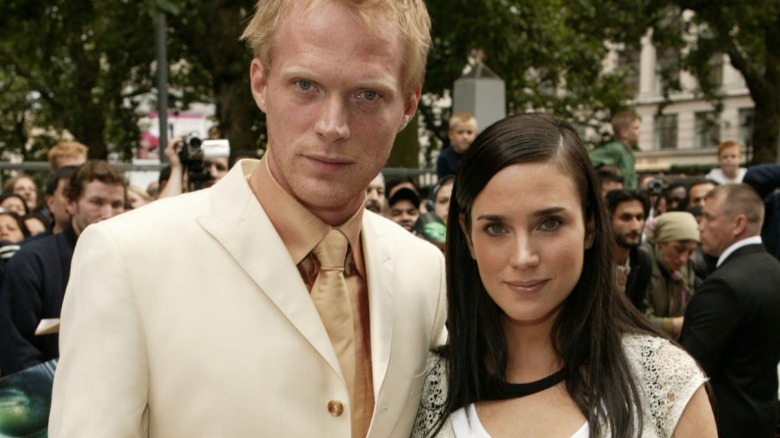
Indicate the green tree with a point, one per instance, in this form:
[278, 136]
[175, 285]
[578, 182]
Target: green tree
[86, 68]
[549, 53]
[205, 37]
[77, 66]
[748, 32]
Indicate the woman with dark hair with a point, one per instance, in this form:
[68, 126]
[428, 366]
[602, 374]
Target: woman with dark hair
[12, 232]
[12, 227]
[540, 341]
[15, 203]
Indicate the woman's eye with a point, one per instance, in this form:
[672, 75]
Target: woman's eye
[495, 229]
[550, 224]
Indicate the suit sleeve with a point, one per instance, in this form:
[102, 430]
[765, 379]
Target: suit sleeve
[100, 387]
[439, 330]
[765, 178]
[20, 313]
[711, 320]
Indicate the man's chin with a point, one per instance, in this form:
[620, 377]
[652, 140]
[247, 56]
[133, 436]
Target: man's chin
[630, 244]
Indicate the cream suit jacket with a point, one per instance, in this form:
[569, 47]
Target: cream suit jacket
[188, 318]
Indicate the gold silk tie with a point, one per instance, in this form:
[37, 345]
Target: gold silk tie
[331, 297]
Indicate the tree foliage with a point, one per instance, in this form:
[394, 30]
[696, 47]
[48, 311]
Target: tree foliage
[749, 33]
[205, 37]
[76, 66]
[87, 67]
[698, 31]
[549, 53]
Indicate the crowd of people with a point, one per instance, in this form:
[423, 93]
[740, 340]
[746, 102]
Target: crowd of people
[536, 289]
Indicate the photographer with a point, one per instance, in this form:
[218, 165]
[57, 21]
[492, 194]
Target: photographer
[188, 171]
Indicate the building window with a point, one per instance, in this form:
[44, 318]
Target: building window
[707, 129]
[716, 73]
[666, 131]
[746, 127]
[628, 61]
[667, 72]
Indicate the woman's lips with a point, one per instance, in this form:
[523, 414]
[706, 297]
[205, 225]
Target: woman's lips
[526, 286]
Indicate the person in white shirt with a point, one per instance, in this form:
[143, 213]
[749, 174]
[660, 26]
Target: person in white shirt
[729, 157]
[541, 341]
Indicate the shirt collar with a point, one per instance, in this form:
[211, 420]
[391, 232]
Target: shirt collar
[299, 229]
[753, 240]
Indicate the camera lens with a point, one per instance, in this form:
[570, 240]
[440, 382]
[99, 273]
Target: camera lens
[194, 142]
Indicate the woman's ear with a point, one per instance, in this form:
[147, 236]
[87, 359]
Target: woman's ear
[466, 233]
[590, 234]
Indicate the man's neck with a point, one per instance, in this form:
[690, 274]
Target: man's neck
[76, 230]
[621, 254]
[625, 143]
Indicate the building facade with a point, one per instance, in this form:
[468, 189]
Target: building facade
[687, 130]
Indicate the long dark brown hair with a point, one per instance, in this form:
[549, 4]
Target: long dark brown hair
[588, 330]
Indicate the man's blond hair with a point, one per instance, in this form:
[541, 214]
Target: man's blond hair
[66, 149]
[409, 16]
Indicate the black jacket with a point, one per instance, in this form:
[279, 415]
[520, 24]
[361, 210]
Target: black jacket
[765, 178]
[638, 278]
[732, 327]
[32, 289]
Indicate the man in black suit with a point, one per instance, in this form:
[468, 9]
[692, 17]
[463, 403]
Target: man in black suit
[732, 324]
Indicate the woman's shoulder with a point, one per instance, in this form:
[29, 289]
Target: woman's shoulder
[667, 376]
[434, 396]
[658, 356]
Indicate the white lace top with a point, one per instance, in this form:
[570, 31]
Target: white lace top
[667, 376]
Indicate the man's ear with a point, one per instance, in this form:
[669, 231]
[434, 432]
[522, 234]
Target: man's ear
[70, 206]
[740, 224]
[466, 233]
[258, 79]
[410, 108]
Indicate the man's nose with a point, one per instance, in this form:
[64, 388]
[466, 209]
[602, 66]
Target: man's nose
[332, 125]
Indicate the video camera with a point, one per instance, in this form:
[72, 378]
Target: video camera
[194, 151]
[655, 187]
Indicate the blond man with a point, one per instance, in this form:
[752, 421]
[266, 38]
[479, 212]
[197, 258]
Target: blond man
[220, 330]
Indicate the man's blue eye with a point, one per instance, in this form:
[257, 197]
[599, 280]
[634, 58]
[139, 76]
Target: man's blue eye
[304, 85]
[370, 95]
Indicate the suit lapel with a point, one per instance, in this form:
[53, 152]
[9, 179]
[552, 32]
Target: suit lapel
[237, 220]
[380, 273]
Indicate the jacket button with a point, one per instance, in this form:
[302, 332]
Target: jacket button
[335, 408]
